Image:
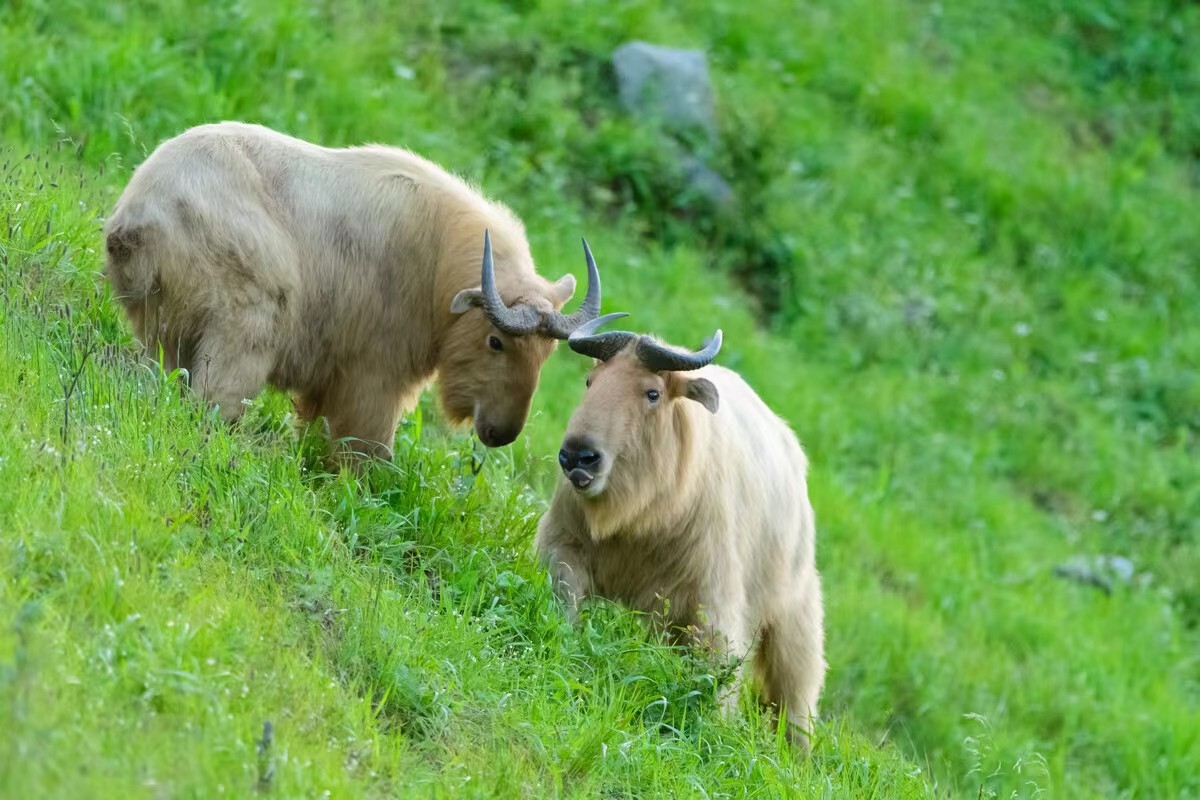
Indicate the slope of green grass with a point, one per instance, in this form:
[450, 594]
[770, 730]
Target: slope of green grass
[963, 265]
[171, 585]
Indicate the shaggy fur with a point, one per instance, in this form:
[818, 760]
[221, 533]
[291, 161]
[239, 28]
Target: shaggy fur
[699, 516]
[248, 257]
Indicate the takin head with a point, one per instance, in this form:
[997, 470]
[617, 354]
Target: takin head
[624, 433]
[490, 362]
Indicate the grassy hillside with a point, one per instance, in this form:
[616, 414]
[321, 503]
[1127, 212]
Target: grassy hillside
[963, 265]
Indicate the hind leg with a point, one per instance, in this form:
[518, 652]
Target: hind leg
[791, 660]
[160, 345]
[233, 358]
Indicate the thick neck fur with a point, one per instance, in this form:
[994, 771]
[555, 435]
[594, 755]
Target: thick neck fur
[452, 218]
[460, 255]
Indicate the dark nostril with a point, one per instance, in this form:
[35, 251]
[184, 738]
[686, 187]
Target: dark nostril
[577, 454]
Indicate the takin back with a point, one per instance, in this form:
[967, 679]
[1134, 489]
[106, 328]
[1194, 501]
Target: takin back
[349, 276]
[683, 496]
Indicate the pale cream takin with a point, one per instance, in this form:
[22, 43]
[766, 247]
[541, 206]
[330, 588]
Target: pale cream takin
[684, 496]
[349, 276]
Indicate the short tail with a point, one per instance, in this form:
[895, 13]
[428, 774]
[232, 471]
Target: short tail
[129, 269]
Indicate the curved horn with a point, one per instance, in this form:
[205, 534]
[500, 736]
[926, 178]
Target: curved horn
[661, 358]
[560, 326]
[602, 346]
[520, 320]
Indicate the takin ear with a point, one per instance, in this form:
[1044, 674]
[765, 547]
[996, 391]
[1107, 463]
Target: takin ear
[562, 291]
[704, 392]
[466, 300]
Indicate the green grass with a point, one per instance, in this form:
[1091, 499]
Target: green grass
[964, 266]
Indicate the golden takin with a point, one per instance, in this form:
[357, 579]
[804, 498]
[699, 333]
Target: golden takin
[349, 276]
[683, 496]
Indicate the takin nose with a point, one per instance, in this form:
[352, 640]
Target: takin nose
[496, 435]
[578, 455]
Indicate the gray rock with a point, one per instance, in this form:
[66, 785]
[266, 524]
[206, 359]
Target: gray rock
[1102, 571]
[665, 83]
[704, 181]
[919, 309]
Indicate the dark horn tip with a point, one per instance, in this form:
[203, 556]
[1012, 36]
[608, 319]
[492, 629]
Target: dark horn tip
[487, 246]
[591, 326]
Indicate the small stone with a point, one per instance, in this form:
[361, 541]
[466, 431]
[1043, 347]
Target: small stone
[919, 309]
[669, 84]
[1102, 571]
[1119, 566]
[705, 181]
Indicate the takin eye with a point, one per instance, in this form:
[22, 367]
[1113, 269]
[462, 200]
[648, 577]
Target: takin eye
[652, 395]
[588, 382]
[495, 343]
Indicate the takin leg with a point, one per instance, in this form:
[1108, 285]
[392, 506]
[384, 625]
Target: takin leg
[307, 406]
[723, 632]
[568, 576]
[791, 661]
[363, 413]
[234, 357]
[160, 344]
[560, 548]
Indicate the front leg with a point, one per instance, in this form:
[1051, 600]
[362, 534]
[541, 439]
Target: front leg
[363, 410]
[559, 549]
[571, 584]
[723, 632]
